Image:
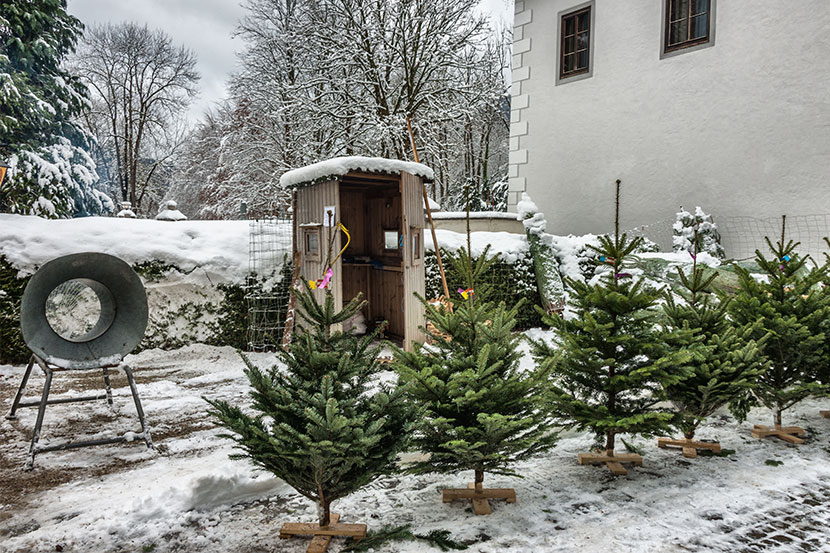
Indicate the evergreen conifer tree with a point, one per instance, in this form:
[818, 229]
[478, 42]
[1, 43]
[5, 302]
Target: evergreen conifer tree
[793, 310]
[696, 230]
[613, 362]
[50, 173]
[323, 424]
[481, 411]
[723, 371]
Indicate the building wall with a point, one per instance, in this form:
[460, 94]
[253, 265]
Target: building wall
[741, 128]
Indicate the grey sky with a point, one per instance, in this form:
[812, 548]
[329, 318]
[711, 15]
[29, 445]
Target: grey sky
[204, 26]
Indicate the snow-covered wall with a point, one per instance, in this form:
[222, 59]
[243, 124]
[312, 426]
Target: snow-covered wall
[217, 249]
[739, 128]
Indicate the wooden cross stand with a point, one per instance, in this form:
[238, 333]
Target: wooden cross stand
[688, 446]
[612, 461]
[480, 496]
[787, 433]
[322, 534]
[825, 414]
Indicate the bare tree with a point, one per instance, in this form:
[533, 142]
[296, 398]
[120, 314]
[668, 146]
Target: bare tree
[140, 85]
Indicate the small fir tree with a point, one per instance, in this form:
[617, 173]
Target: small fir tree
[612, 362]
[323, 424]
[696, 231]
[724, 370]
[792, 308]
[481, 411]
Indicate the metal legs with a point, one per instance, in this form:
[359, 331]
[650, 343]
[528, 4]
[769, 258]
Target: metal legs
[145, 432]
[19, 395]
[35, 448]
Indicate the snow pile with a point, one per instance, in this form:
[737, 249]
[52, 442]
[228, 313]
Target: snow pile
[532, 219]
[171, 213]
[220, 248]
[573, 254]
[343, 165]
[511, 247]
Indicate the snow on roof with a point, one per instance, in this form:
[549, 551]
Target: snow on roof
[171, 215]
[218, 247]
[433, 205]
[342, 165]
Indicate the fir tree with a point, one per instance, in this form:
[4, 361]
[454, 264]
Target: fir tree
[792, 309]
[323, 424]
[613, 362]
[725, 369]
[481, 411]
[50, 171]
[696, 231]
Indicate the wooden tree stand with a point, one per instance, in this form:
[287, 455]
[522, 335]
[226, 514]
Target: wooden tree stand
[480, 496]
[825, 414]
[322, 534]
[688, 446]
[786, 433]
[613, 462]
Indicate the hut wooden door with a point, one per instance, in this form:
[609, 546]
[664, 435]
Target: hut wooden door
[413, 258]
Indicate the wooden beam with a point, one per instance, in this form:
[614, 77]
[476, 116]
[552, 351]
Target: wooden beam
[612, 461]
[689, 447]
[825, 414]
[786, 433]
[480, 498]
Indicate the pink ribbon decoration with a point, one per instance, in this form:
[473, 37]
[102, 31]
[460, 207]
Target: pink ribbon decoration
[326, 278]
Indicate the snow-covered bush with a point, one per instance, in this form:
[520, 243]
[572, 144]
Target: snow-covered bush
[683, 233]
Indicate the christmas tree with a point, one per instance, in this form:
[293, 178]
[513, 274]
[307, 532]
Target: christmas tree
[723, 371]
[481, 411]
[613, 362]
[696, 231]
[50, 173]
[793, 310]
[323, 423]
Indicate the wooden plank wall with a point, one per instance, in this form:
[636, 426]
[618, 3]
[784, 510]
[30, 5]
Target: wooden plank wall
[311, 201]
[414, 272]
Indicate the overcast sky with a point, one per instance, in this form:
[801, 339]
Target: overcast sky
[205, 26]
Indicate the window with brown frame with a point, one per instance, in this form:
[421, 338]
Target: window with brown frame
[574, 49]
[688, 23]
[311, 244]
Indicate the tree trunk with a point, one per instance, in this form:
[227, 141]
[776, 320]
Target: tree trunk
[479, 480]
[777, 415]
[609, 443]
[324, 512]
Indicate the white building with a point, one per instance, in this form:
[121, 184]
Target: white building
[730, 112]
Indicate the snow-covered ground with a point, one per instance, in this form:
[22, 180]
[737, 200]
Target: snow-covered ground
[188, 496]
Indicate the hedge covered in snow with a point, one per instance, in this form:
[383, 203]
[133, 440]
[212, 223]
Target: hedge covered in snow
[512, 275]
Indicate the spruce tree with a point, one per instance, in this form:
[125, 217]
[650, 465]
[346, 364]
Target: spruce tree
[612, 362]
[481, 412]
[323, 423]
[724, 370]
[793, 309]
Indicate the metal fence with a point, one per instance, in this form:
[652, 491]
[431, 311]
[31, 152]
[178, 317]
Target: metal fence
[741, 236]
[268, 284]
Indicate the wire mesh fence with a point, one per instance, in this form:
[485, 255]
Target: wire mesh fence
[741, 236]
[269, 281]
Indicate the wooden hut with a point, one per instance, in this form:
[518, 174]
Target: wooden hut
[380, 204]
